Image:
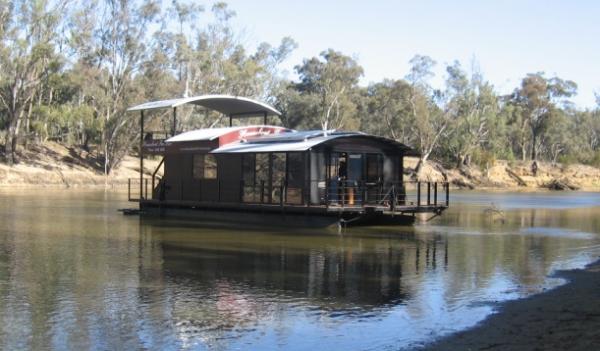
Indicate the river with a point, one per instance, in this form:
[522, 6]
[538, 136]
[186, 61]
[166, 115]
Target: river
[77, 274]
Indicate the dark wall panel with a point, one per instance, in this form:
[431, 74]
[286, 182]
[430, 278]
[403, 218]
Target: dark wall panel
[230, 176]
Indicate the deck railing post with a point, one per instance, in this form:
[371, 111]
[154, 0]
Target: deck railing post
[364, 195]
[129, 189]
[145, 188]
[435, 194]
[343, 186]
[242, 191]
[447, 194]
[428, 193]
[418, 194]
[393, 205]
[141, 152]
[281, 195]
[262, 191]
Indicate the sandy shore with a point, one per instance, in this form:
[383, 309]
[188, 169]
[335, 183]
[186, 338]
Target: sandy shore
[565, 318]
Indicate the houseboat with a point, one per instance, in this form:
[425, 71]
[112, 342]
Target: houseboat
[267, 174]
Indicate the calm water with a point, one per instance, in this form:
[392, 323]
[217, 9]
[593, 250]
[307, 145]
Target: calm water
[76, 274]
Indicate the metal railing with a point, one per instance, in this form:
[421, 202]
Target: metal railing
[341, 194]
[414, 194]
[135, 192]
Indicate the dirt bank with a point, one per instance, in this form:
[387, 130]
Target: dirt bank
[54, 164]
[517, 175]
[565, 318]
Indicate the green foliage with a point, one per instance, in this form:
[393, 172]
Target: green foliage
[324, 98]
[484, 159]
[567, 160]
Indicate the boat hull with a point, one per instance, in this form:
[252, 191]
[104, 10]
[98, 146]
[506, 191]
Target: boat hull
[280, 219]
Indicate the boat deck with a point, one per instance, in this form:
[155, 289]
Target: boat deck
[291, 208]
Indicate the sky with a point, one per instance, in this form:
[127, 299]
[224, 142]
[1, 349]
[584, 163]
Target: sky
[505, 39]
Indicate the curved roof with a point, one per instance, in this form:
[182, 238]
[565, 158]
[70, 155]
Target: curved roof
[303, 141]
[226, 104]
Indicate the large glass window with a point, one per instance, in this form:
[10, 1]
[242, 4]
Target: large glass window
[248, 169]
[295, 177]
[262, 169]
[277, 176]
[355, 167]
[264, 177]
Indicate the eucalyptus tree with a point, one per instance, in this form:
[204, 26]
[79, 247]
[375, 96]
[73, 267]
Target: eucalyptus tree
[212, 59]
[429, 112]
[387, 111]
[112, 47]
[28, 31]
[324, 96]
[540, 99]
[474, 108]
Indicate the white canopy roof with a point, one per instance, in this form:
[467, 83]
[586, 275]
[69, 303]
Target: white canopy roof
[226, 104]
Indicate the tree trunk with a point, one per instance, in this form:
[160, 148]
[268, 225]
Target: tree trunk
[106, 159]
[533, 147]
[11, 143]
[421, 164]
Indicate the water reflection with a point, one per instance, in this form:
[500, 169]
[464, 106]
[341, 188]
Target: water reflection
[75, 274]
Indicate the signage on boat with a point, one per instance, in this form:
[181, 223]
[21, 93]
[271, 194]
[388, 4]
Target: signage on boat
[154, 146]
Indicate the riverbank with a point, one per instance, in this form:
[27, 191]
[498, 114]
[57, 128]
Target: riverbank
[514, 175]
[58, 165]
[565, 318]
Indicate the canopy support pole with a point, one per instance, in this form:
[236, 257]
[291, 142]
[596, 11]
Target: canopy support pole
[141, 154]
[265, 118]
[174, 128]
[230, 120]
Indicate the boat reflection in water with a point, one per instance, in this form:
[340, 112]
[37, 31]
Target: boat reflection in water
[231, 285]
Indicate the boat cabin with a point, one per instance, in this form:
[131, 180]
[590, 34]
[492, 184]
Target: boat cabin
[271, 169]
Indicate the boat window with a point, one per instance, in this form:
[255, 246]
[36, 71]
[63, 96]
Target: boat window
[262, 169]
[278, 168]
[295, 178]
[374, 167]
[249, 190]
[210, 167]
[277, 176]
[295, 171]
[204, 167]
[355, 167]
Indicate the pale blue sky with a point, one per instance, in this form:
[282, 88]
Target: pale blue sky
[507, 38]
